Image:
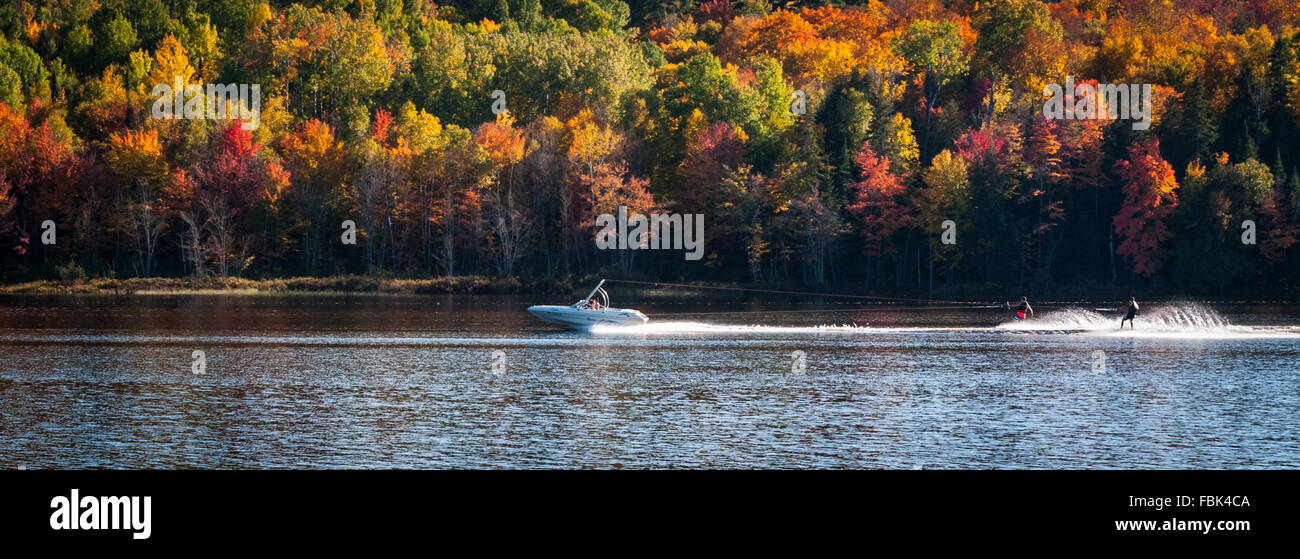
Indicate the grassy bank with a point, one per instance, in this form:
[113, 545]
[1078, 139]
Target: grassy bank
[338, 284]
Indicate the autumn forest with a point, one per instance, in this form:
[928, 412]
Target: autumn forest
[827, 144]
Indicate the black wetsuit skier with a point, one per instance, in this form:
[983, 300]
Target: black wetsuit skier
[1132, 312]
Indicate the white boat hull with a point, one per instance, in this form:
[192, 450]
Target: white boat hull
[571, 317]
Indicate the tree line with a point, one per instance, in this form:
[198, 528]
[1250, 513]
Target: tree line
[826, 143]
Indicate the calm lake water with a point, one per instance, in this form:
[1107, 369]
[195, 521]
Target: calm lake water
[409, 382]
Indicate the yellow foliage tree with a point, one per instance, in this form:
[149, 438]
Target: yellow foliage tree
[137, 155]
[170, 59]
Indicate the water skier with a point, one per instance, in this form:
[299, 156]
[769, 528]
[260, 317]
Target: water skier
[1132, 312]
[1023, 310]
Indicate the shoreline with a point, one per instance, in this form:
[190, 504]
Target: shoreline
[483, 285]
[360, 285]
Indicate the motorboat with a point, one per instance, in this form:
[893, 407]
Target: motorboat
[584, 314]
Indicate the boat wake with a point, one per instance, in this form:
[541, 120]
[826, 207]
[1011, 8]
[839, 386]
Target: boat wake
[674, 327]
[1184, 320]
[1180, 321]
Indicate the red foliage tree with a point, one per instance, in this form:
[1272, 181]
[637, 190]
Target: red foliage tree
[39, 175]
[224, 185]
[379, 129]
[876, 206]
[1150, 196]
[715, 10]
[1282, 228]
[234, 169]
[710, 156]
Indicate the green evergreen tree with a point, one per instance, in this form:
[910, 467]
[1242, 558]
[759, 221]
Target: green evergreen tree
[1196, 132]
[117, 40]
[495, 10]
[1243, 122]
[1280, 116]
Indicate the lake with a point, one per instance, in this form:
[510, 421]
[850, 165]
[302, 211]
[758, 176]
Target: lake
[370, 381]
